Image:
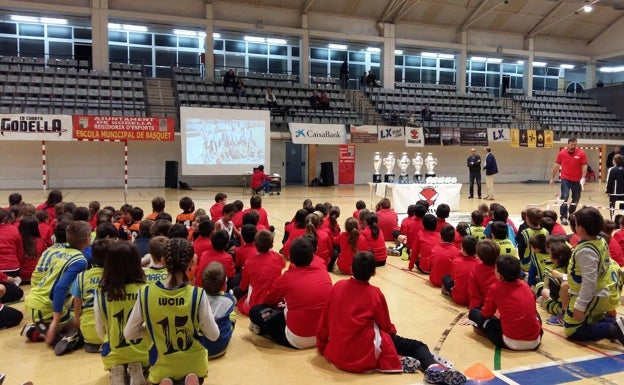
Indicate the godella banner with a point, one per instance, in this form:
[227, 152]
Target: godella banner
[36, 127]
[414, 137]
[123, 128]
[346, 163]
[303, 133]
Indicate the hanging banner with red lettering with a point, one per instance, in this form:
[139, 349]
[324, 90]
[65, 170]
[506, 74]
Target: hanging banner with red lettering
[346, 164]
[123, 128]
[36, 127]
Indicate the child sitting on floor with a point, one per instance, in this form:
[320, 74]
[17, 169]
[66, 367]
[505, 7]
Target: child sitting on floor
[222, 305]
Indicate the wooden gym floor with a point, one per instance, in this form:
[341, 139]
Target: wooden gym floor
[418, 310]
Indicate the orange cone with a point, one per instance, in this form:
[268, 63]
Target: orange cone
[479, 372]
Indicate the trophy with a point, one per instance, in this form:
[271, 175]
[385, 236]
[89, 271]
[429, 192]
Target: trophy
[430, 162]
[376, 166]
[417, 162]
[389, 162]
[404, 163]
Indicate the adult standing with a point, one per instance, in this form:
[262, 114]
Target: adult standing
[491, 169]
[615, 182]
[474, 168]
[573, 164]
[344, 74]
[616, 150]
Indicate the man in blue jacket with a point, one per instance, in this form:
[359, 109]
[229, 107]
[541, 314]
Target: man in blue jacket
[490, 170]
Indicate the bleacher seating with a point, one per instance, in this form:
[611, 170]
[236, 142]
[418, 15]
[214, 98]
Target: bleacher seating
[64, 86]
[470, 110]
[293, 98]
[570, 114]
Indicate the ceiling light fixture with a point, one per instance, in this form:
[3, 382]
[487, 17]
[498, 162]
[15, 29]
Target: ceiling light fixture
[337, 46]
[567, 66]
[398, 52]
[373, 49]
[276, 41]
[539, 64]
[254, 39]
[587, 8]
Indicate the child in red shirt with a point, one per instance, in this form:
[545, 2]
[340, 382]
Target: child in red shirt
[259, 272]
[359, 205]
[324, 245]
[349, 242]
[218, 253]
[443, 256]
[203, 243]
[443, 211]
[388, 219]
[519, 326]
[456, 284]
[294, 230]
[482, 276]
[255, 203]
[375, 239]
[216, 210]
[247, 249]
[421, 255]
[356, 335]
[238, 217]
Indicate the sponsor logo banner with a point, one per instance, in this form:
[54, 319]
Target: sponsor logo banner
[35, 127]
[346, 164]
[473, 137]
[499, 134]
[414, 137]
[123, 128]
[363, 134]
[303, 133]
[531, 138]
[391, 132]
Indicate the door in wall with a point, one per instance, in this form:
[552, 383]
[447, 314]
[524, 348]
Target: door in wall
[295, 160]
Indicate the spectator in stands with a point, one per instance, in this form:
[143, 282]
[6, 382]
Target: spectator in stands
[315, 100]
[426, 114]
[239, 88]
[410, 119]
[229, 79]
[344, 75]
[270, 98]
[363, 81]
[394, 118]
[600, 84]
[324, 101]
[371, 80]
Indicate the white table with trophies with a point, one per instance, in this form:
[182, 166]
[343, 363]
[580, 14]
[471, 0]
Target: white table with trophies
[407, 190]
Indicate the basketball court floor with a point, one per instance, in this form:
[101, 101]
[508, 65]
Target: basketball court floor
[417, 309]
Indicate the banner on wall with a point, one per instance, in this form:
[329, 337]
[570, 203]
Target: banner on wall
[414, 137]
[391, 133]
[473, 137]
[123, 128]
[498, 135]
[36, 127]
[531, 138]
[432, 136]
[303, 133]
[363, 134]
[346, 164]
[451, 136]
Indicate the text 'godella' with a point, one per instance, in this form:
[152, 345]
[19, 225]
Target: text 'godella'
[53, 125]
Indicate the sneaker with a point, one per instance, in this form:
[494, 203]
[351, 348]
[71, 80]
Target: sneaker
[33, 333]
[470, 197]
[479, 197]
[410, 364]
[2, 377]
[191, 379]
[135, 371]
[619, 329]
[438, 374]
[564, 221]
[443, 361]
[118, 375]
[393, 252]
[255, 329]
[69, 342]
[555, 320]
[92, 348]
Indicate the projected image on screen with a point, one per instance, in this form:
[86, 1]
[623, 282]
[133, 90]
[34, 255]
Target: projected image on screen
[223, 141]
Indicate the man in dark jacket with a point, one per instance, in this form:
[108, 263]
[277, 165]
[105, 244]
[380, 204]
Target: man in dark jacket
[490, 170]
[615, 182]
[474, 167]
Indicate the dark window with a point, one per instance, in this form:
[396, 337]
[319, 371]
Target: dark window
[318, 69]
[447, 63]
[140, 38]
[118, 53]
[294, 51]
[257, 64]
[8, 46]
[412, 75]
[357, 56]
[163, 72]
[493, 80]
[412, 61]
[218, 45]
[140, 55]
[8, 28]
[552, 71]
[429, 62]
[338, 55]
[295, 67]
[375, 58]
[334, 69]
[165, 57]
[398, 60]
[509, 68]
[477, 80]
[31, 47]
[477, 65]
[429, 76]
[552, 84]
[60, 49]
[188, 42]
[493, 67]
[218, 60]
[60, 32]
[278, 66]
[398, 74]
[118, 36]
[278, 50]
[188, 58]
[234, 46]
[539, 71]
[31, 30]
[447, 77]
[318, 53]
[165, 41]
[257, 48]
[83, 33]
